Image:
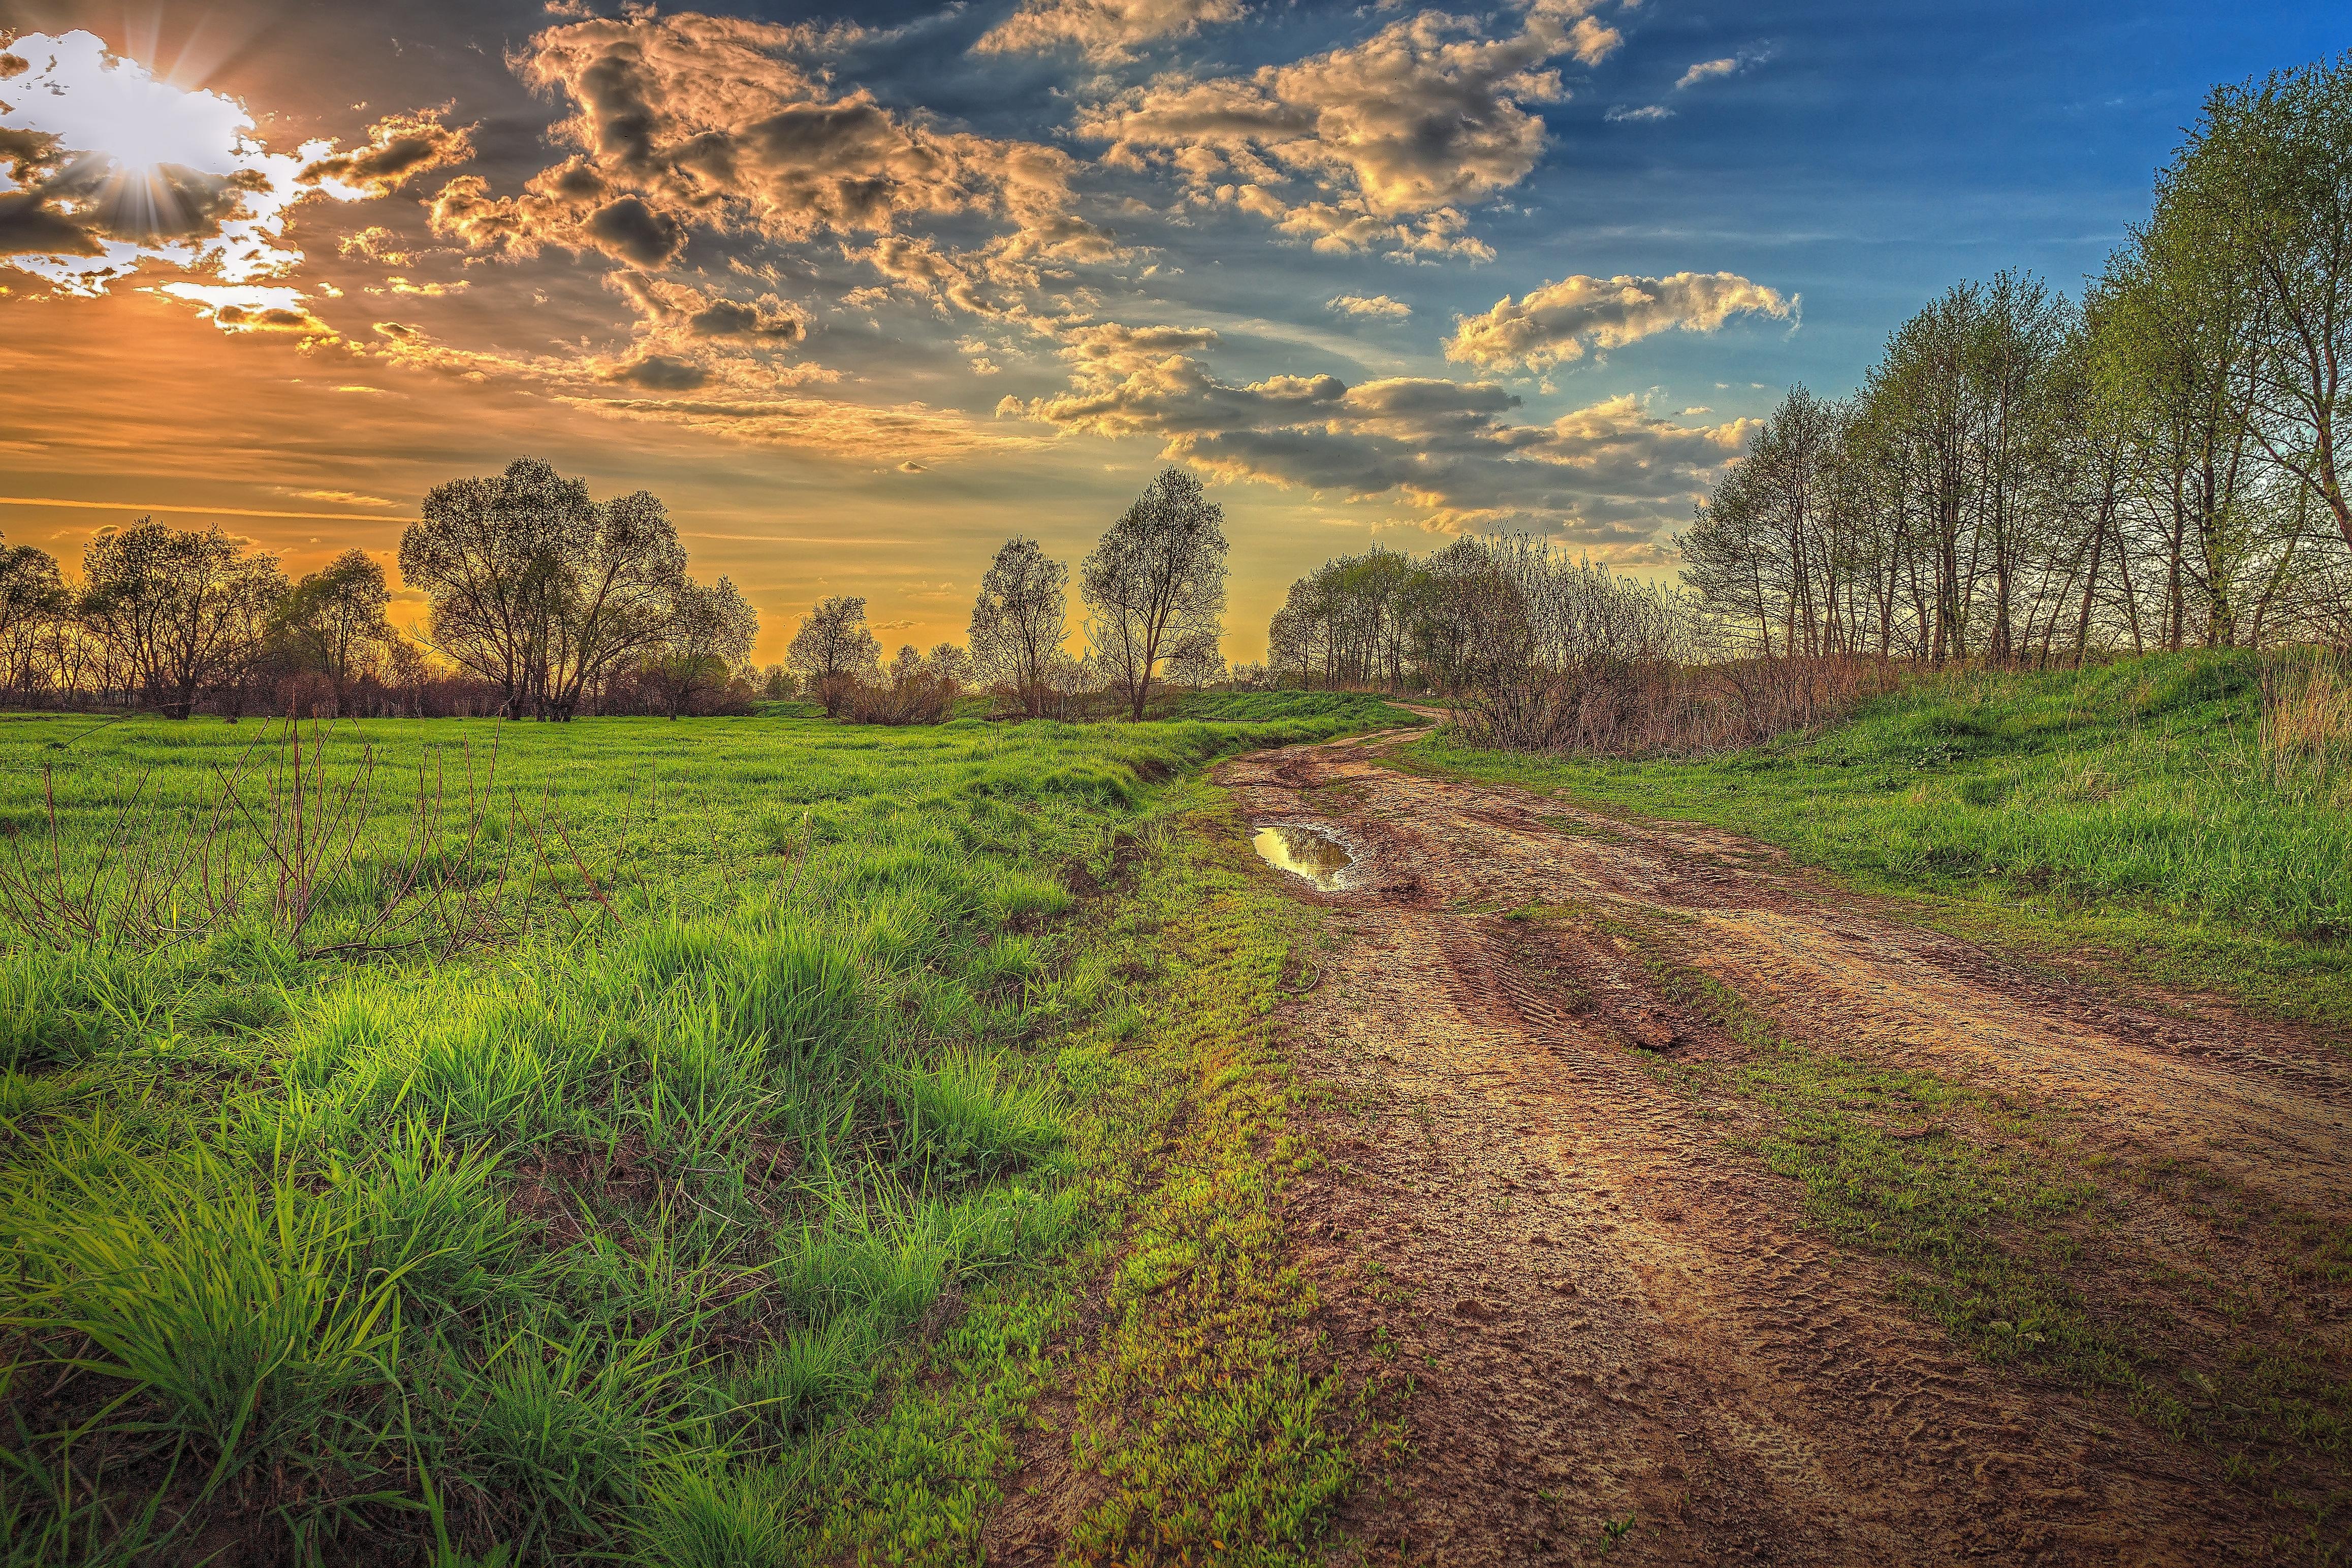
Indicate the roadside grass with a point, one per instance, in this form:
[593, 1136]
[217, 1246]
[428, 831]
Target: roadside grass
[2009, 1238]
[786, 1087]
[2142, 811]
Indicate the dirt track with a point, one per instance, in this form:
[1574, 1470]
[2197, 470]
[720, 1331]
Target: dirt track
[1612, 1308]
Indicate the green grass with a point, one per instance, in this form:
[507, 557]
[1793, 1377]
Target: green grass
[779, 1078]
[2130, 810]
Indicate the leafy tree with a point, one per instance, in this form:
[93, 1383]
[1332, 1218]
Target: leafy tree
[950, 664]
[2263, 192]
[833, 649]
[333, 620]
[711, 630]
[181, 612]
[32, 598]
[1157, 579]
[538, 589]
[1020, 622]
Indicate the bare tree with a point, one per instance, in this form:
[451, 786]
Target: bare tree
[833, 649]
[1020, 622]
[1157, 579]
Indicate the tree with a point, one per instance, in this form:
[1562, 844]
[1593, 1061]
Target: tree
[2265, 189]
[181, 612]
[1020, 621]
[1157, 579]
[950, 664]
[710, 629]
[333, 620]
[538, 588]
[1197, 661]
[833, 649]
[32, 597]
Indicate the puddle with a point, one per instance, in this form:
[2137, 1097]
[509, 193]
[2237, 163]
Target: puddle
[1304, 851]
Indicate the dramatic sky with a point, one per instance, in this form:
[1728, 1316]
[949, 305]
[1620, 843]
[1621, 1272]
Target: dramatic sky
[861, 294]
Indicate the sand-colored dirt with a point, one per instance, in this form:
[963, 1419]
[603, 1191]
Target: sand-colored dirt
[1612, 1309]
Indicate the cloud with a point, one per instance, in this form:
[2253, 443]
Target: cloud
[1648, 111]
[822, 425]
[1370, 305]
[247, 308]
[30, 226]
[1555, 324]
[691, 121]
[119, 169]
[1731, 65]
[1104, 31]
[1395, 134]
[400, 147]
[344, 497]
[1611, 473]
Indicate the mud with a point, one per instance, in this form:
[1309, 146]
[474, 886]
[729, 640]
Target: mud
[1619, 1333]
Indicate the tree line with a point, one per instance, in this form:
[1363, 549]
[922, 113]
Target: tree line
[544, 603]
[540, 601]
[2026, 475]
[1153, 591]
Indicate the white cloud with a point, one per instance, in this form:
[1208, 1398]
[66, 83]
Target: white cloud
[1648, 111]
[1730, 64]
[1556, 323]
[1104, 31]
[1395, 134]
[1371, 305]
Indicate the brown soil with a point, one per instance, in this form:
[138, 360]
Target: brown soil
[1613, 1310]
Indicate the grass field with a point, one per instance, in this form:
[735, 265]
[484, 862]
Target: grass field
[2145, 810]
[675, 1143]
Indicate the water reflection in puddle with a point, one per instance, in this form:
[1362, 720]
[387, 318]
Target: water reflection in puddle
[1303, 852]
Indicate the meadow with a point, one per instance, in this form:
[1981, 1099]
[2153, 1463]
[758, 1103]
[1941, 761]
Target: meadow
[2187, 816]
[675, 1143]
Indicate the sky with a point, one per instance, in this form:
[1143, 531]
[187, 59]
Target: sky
[861, 294]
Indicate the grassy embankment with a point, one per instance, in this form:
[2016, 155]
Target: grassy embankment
[2133, 813]
[770, 1113]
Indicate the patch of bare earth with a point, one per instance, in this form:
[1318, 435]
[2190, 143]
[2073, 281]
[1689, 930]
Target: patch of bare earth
[1622, 1335]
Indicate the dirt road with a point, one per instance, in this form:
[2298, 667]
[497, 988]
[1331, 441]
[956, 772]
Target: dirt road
[1555, 1207]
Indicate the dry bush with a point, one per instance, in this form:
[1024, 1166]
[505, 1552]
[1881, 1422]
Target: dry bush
[911, 699]
[1620, 707]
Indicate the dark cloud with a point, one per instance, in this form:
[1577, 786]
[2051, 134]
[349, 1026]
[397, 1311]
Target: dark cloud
[399, 147]
[733, 319]
[27, 153]
[661, 373]
[1440, 446]
[629, 230]
[30, 227]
